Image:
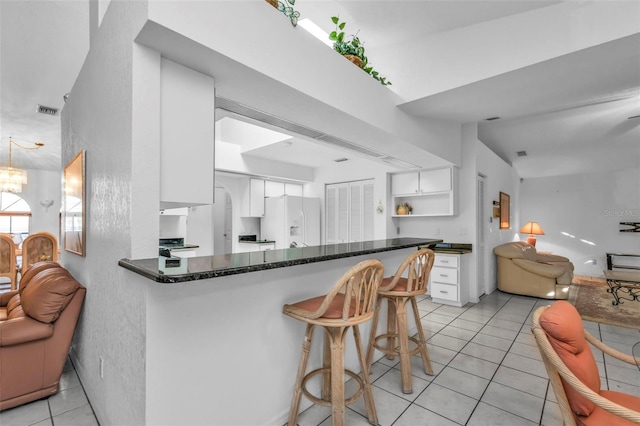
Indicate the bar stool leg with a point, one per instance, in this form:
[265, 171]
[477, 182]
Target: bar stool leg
[337, 376]
[364, 365]
[302, 367]
[392, 328]
[325, 392]
[403, 337]
[426, 360]
[372, 334]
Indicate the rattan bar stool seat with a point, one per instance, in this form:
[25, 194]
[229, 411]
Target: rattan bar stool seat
[399, 290]
[349, 303]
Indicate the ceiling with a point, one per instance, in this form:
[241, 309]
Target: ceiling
[559, 111]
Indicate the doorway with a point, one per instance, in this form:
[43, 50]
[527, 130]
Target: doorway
[481, 236]
[222, 222]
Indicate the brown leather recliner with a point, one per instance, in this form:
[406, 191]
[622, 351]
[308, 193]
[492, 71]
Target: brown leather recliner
[523, 270]
[36, 327]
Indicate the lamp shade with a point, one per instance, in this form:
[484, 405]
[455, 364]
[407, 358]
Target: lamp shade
[532, 228]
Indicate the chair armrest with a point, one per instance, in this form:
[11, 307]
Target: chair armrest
[542, 269]
[609, 350]
[551, 258]
[5, 297]
[21, 330]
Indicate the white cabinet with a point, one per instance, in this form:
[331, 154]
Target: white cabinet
[294, 189]
[253, 198]
[186, 136]
[273, 189]
[252, 247]
[405, 184]
[182, 211]
[448, 281]
[278, 189]
[428, 192]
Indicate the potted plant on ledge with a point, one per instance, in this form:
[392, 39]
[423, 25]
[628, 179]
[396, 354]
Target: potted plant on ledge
[353, 50]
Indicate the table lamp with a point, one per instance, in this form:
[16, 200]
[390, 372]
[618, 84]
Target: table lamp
[533, 229]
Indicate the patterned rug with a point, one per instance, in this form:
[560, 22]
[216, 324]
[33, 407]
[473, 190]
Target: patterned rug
[589, 296]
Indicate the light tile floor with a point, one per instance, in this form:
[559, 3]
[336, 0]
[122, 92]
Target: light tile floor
[487, 371]
[69, 406]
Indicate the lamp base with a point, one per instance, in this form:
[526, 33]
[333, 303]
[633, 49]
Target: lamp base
[531, 240]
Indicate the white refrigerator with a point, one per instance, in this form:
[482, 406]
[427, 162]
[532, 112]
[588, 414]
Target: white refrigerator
[291, 221]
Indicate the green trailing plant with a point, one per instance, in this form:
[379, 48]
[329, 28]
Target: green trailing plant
[286, 7]
[353, 46]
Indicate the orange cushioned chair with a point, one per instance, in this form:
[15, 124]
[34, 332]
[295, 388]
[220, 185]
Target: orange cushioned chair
[36, 335]
[563, 344]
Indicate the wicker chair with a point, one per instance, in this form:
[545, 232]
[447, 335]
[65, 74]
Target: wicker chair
[573, 372]
[39, 247]
[398, 290]
[8, 259]
[349, 303]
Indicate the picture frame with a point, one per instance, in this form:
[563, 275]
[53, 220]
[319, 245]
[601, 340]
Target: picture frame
[73, 221]
[505, 219]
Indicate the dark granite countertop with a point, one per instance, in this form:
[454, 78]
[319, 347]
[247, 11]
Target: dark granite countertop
[203, 267]
[451, 248]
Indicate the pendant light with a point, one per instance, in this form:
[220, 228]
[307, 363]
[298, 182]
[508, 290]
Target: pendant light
[11, 178]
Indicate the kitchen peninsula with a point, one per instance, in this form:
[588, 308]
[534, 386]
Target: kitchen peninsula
[216, 336]
[158, 269]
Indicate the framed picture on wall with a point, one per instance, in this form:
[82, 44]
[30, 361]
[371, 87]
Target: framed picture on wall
[73, 221]
[505, 220]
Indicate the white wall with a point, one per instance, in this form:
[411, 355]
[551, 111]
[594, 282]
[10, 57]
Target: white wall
[120, 209]
[43, 185]
[589, 208]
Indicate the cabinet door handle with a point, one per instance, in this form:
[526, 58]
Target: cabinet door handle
[444, 261]
[445, 292]
[444, 275]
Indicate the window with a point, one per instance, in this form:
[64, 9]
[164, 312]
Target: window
[15, 214]
[349, 212]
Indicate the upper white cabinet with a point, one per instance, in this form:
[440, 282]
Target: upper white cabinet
[253, 198]
[428, 192]
[294, 189]
[273, 189]
[278, 189]
[187, 103]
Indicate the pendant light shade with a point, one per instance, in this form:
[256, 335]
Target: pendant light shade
[11, 178]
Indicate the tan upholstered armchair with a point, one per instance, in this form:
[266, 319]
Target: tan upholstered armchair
[36, 327]
[522, 270]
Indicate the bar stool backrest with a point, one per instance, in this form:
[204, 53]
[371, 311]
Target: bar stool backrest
[352, 298]
[8, 259]
[416, 269]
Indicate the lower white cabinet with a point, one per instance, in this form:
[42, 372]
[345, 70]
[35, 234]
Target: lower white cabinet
[251, 247]
[448, 282]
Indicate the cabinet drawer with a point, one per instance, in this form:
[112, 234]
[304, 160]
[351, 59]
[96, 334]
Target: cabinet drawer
[444, 291]
[444, 275]
[444, 260]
